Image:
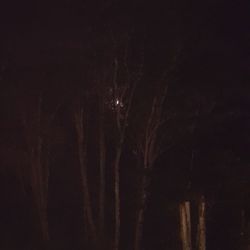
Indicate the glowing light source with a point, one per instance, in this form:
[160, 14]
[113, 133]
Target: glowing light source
[118, 103]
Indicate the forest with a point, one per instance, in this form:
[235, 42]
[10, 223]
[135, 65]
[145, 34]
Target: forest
[125, 125]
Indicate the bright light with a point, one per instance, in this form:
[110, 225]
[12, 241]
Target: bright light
[118, 103]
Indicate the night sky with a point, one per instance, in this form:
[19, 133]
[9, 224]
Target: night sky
[63, 52]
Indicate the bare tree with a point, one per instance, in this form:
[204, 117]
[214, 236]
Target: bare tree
[38, 155]
[123, 95]
[115, 85]
[102, 168]
[150, 146]
[80, 119]
[185, 225]
[122, 111]
[149, 150]
[201, 227]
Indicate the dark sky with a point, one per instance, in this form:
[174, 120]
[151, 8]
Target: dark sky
[217, 22]
[210, 27]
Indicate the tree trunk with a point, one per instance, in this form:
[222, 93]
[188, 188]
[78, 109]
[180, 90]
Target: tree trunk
[46, 173]
[185, 225]
[44, 225]
[102, 148]
[201, 231]
[117, 198]
[39, 181]
[90, 227]
[140, 214]
[86, 196]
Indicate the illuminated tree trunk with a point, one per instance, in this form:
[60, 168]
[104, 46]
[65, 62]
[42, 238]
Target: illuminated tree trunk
[201, 230]
[185, 225]
[149, 150]
[39, 190]
[243, 223]
[150, 147]
[90, 228]
[117, 197]
[39, 169]
[125, 95]
[123, 91]
[43, 175]
[102, 148]
[140, 214]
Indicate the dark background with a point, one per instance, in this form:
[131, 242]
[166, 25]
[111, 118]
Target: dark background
[48, 47]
